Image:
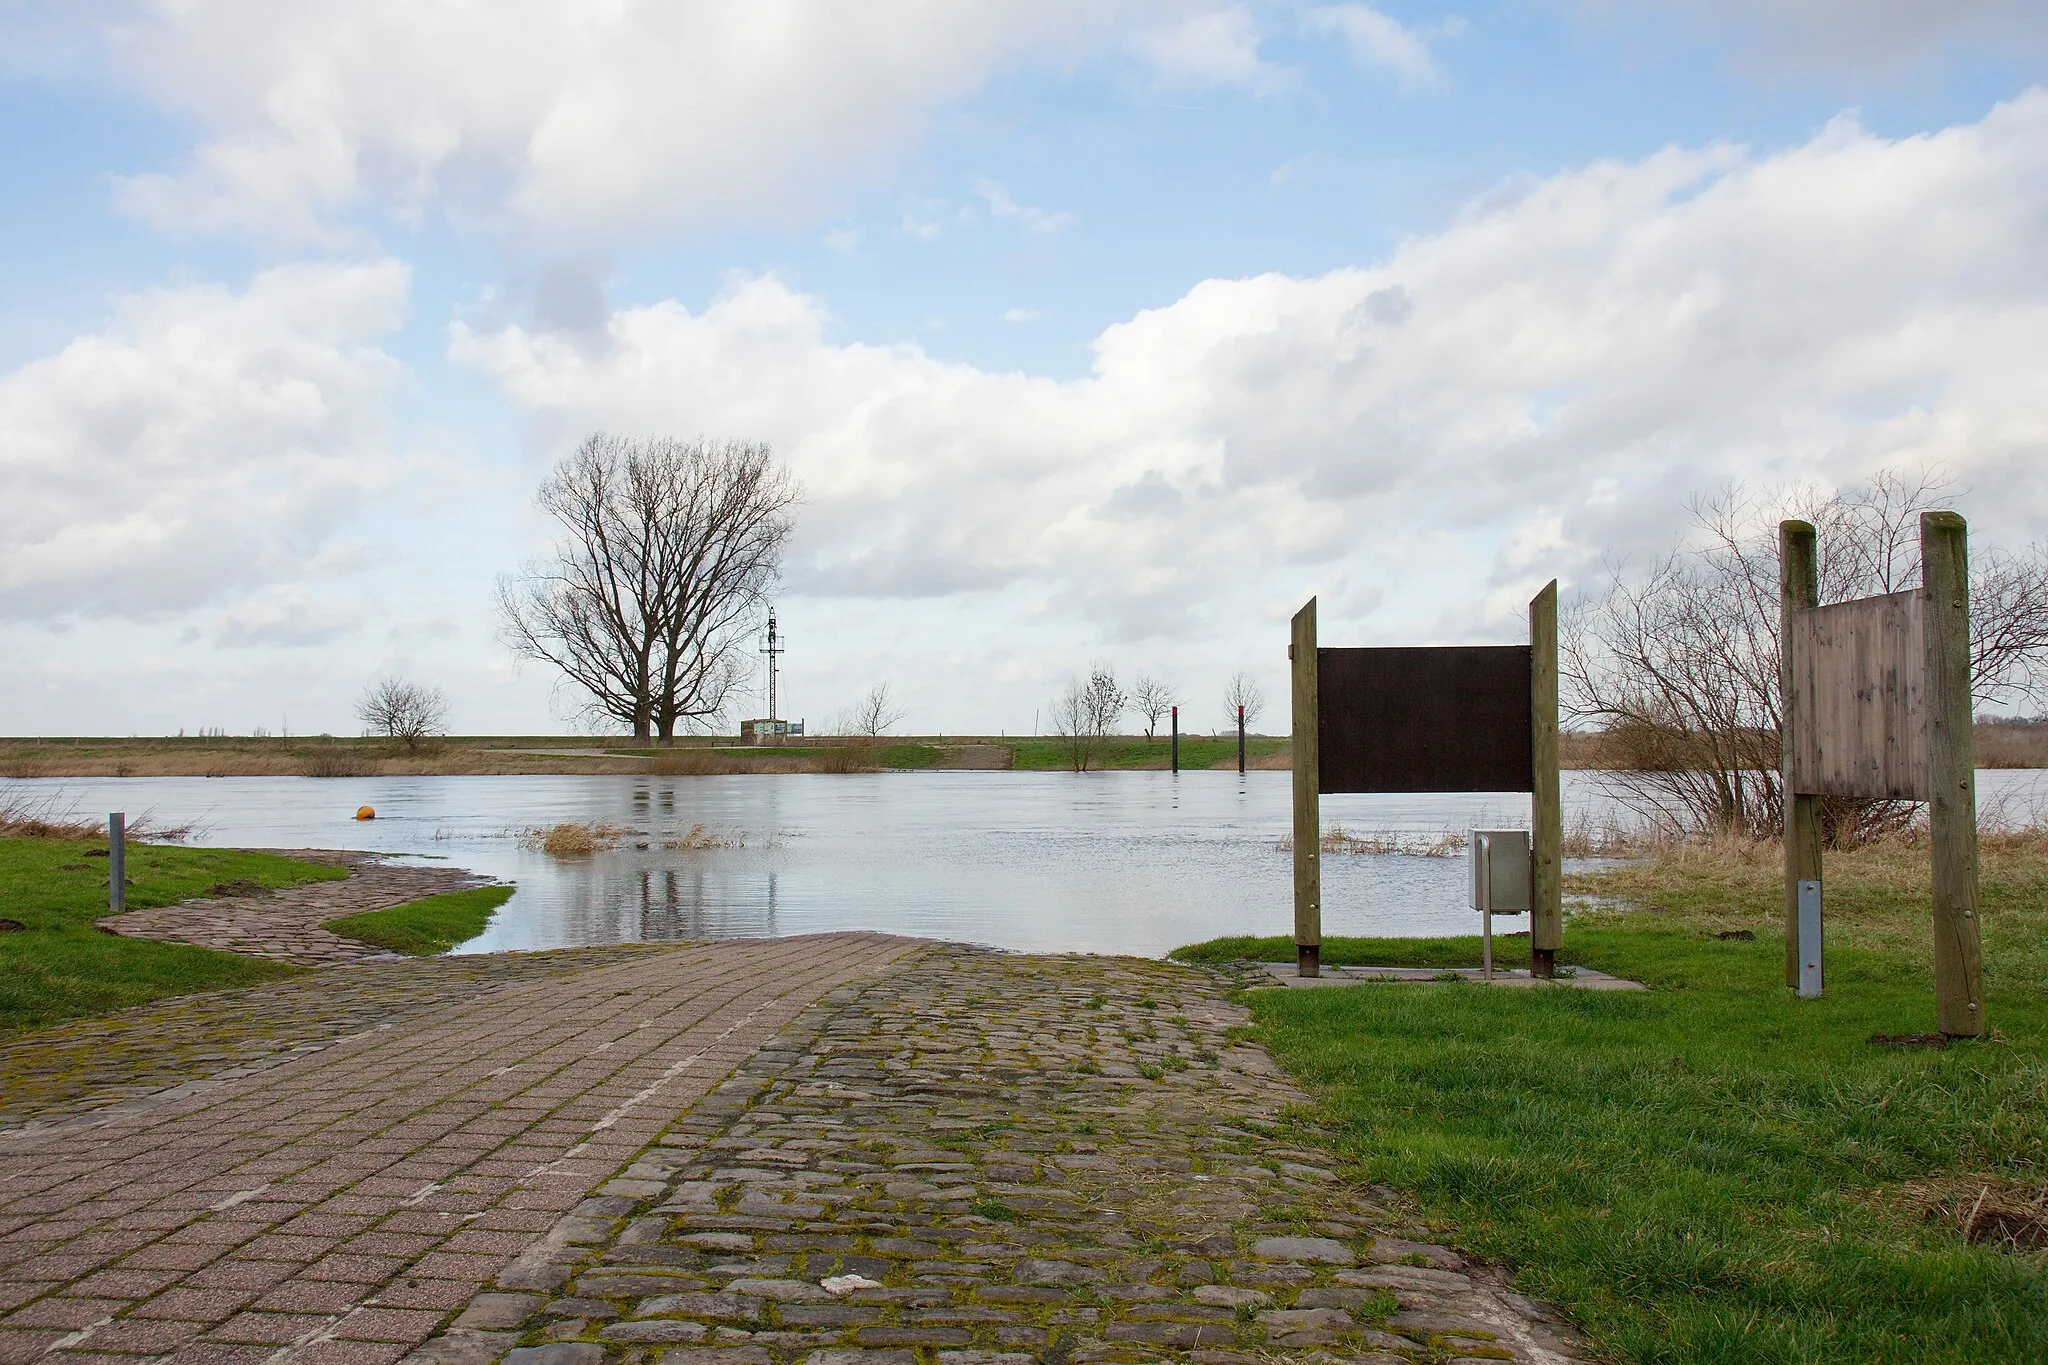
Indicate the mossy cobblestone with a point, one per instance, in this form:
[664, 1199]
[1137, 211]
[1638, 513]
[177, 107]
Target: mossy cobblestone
[1023, 1159]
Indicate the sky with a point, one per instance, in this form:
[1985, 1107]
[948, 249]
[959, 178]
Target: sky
[1098, 332]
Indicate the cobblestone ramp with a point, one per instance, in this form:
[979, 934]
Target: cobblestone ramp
[1027, 1159]
[283, 923]
[341, 1206]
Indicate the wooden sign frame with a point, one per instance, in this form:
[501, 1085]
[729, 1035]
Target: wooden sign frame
[1393, 734]
[1875, 703]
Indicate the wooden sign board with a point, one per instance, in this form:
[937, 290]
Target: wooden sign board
[1451, 719]
[1860, 672]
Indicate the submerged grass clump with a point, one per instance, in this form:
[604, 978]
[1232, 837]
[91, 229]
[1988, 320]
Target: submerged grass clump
[575, 840]
[430, 925]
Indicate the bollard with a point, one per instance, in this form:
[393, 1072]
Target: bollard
[1240, 741]
[117, 862]
[1176, 739]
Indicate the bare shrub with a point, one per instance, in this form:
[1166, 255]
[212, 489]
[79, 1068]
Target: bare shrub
[331, 760]
[1085, 714]
[849, 758]
[408, 712]
[873, 716]
[1678, 665]
[1243, 696]
[1152, 699]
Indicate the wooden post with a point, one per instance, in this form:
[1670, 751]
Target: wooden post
[1546, 811]
[1176, 739]
[117, 862]
[1951, 774]
[1240, 741]
[1308, 810]
[1798, 589]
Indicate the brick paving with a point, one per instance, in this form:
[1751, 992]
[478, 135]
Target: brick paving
[1019, 1159]
[284, 924]
[342, 1204]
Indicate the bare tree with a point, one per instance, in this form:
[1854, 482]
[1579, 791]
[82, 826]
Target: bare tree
[665, 552]
[1243, 690]
[409, 712]
[1151, 699]
[1679, 664]
[1085, 714]
[874, 715]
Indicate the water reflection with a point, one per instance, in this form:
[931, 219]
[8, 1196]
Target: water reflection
[1105, 862]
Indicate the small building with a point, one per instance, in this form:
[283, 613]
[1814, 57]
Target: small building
[769, 732]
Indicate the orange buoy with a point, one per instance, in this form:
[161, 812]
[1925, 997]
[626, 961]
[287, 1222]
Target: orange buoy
[366, 812]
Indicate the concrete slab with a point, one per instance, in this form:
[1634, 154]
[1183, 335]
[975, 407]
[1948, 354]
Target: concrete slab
[1580, 978]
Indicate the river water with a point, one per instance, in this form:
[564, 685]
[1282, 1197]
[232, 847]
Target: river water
[1120, 862]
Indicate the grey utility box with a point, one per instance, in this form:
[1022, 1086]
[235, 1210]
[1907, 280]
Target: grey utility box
[1500, 870]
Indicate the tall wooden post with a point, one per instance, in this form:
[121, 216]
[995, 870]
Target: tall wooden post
[1546, 810]
[1240, 741]
[1798, 589]
[1176, 739]
[1308, 811]
[1951, 774]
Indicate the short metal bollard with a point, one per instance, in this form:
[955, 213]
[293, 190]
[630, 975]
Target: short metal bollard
[117, 862]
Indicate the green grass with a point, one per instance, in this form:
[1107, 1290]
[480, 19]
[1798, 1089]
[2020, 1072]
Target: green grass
[427, 926]
[61, 966]
[1041, 755]
[1359, 952]
[1711, 1171]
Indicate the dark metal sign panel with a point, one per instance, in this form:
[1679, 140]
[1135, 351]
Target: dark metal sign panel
[1452, 719]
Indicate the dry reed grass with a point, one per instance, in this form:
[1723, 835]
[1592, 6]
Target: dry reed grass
[697, 837]
[575, 840]
[49, 816]
[1407, 843]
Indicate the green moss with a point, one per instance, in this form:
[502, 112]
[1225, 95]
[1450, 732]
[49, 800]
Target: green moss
[424, 927]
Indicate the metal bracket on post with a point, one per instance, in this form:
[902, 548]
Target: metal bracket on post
[1810, 955]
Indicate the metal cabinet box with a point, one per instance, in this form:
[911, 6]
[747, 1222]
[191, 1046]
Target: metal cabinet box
[1500, 870]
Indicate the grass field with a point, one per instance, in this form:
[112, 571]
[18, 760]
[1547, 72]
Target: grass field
[59, 965]
[1713, 1171]
[427, 926]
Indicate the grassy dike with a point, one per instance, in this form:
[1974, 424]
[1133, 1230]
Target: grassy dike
[1713, 1171]
[421, 928]
[59, 965]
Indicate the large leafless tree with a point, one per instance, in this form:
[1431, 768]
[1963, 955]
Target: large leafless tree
[1678, 664]
[1152, 699]
[648, 600]
[1085, 715]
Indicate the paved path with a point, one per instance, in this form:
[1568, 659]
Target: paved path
[284, 925]
[1023, 1159]
[338, 1206]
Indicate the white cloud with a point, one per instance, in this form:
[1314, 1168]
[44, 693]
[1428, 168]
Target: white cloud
[1217, 48]
[1378, 42]
[206, 442]
[1857, 38]
[1552, 373]
[1001, 205]
[565, 119]
[288, 616]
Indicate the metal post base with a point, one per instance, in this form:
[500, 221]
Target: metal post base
[1543, 963]
[1308, 959]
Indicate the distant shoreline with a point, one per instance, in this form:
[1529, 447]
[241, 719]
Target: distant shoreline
[1998, 746]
